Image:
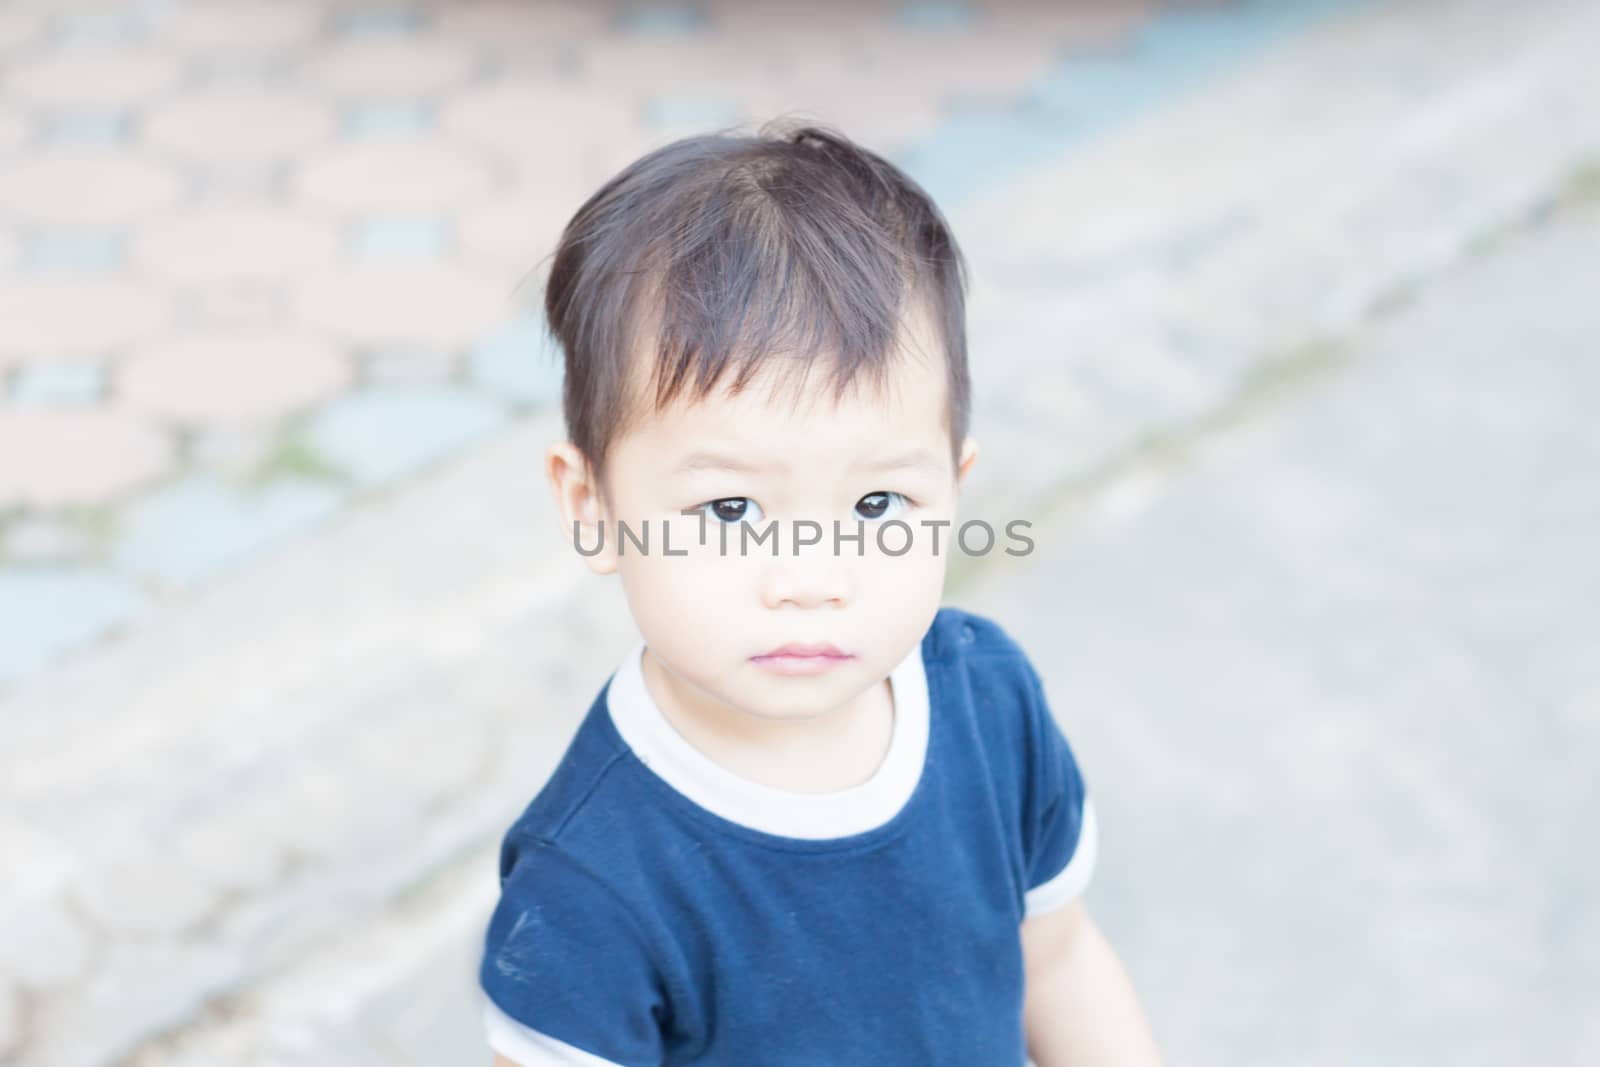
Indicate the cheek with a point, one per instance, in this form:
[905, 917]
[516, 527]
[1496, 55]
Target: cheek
[899, 558]
[679, 599]
[908, 584]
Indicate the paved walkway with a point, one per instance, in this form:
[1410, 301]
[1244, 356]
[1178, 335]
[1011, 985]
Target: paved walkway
[259, 260]
[1162, 240]
[1333, 672]
[1330, 671]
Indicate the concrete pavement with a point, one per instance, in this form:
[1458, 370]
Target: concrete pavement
[1334, 672]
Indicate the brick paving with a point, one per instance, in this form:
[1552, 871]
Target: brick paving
[257, 259]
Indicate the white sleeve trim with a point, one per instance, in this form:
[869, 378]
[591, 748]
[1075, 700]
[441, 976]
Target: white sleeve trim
[1074, 877]
[527, 1047]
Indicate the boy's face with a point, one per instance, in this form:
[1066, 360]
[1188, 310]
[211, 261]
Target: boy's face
[771, 460]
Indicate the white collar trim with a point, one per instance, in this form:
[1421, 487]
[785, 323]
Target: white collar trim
[815, 816]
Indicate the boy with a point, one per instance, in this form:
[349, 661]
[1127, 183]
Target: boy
[813, 817]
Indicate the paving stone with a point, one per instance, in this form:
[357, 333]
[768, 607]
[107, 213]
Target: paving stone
[441, 305]
[986, 65]
[212, 379]
[1075, 27]
[241, 125]
[242, 26]
[322, 812]
[732, 19]
[114, 77]
[76, 250]
[529, 117]
[505, 23]
[88, 28]
[144, 894]
[392, 366]
[228, 852]
[223, 242]
[236, 71]
[399, 20]
[47, 316]
[970, 147]
[934, 16]
[661, 19]
[10, 1022]
[388, 67]
[243, 180]
[389, 118]
[49, 384]
[20, 27]
[96, 455]
[696, 113]
[10, 251]
[1194, 40]
[235, 306]
[199, 526]
[236, 451]
[1172, 50]
[392, 176]
[513, 234]
[387, 752]
[698, 65]
[43, 946]
[46, 612]
[12, 131]
[522, 362]
[103, 127]
[85, 186]
[380, 434]
[401, 238]
[1085, 94]
[35, 539]
[141, 988]
[875, 111]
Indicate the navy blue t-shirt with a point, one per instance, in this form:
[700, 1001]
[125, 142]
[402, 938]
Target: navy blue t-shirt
[658, 910]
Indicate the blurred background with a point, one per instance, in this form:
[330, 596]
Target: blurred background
[1284, 337]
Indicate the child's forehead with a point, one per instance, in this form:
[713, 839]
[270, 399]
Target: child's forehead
[785, 400]
[769, 431]
[907, 382]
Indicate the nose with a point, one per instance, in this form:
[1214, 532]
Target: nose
[816, 578]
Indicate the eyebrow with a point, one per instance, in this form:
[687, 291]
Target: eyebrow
[920, 459]
[711, 461]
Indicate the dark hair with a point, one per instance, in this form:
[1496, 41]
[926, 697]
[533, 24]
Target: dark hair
[736, 248]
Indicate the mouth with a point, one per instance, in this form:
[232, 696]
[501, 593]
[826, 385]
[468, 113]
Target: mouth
[799, 658]
[801, 650]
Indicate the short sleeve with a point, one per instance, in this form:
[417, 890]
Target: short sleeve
[566, 972]
[1059, 832]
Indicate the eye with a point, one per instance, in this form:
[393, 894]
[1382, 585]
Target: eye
[877, 505]
[730, 509]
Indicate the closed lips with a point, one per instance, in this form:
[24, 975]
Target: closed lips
[819, 651]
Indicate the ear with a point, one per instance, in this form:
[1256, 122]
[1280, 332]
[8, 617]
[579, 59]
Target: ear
[578, 500]
[969, 455]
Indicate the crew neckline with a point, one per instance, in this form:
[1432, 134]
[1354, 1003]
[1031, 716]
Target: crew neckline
[812, 816]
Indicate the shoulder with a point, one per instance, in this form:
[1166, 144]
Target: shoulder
[978, 649]
[987, 680]
[584, 776]
[961, 635]
[985, 677]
